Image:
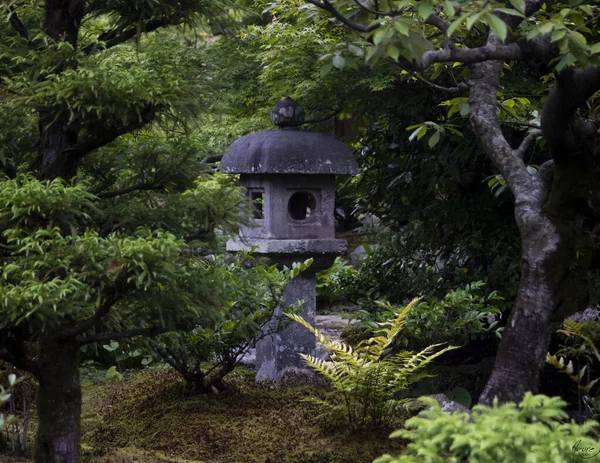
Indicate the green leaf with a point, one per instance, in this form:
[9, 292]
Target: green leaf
[519, 5]
[465, 109]
[474, 18]
[425, 9]
[112, 346]
[338, 61]
[457, 22]
[379, 36]
[595, 49]
[326, 69]
[509, 11]
[356, 51]
[434, 139]
[577, 39]
[449, 9]
[393, 52]
[402, 27]
[558, 34]
[497, 26]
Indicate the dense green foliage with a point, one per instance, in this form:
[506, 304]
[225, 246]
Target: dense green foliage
[532, 431]
[369, 376]
[56, 274]
[461, 315]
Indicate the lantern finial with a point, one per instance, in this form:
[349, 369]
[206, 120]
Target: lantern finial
[287, 113]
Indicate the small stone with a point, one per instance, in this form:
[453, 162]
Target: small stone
[449, 406]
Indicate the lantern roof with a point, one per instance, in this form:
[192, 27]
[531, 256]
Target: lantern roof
[288, 150]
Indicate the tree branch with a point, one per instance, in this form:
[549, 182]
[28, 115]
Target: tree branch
[20, 362]
[18, 25]
[92, 321]
[118, 36]
[377, 12]
[139, 187]
[100, 337]
[459, 89]
[435, 21]
[325, 5]
[484, 81]
[71, 156]
[512, 51]
[573, 87]
[521, 151]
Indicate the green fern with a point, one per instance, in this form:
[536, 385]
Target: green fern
[370, 376]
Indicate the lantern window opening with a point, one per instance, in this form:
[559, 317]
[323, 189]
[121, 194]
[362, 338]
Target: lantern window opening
[302, 205]
[257, 198]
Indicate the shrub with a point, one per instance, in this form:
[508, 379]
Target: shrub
[369, 377]
[206, 355]
[331, 284]
[461, 315]
[526, 433]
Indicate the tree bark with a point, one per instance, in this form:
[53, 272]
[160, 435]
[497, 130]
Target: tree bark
[522, 351]
[59, 403]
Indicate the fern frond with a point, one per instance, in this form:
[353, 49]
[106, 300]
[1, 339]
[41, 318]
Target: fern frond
[333, 347]
[388, 331]
[399, 322]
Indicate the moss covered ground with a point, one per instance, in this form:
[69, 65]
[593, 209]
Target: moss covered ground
[146, 418]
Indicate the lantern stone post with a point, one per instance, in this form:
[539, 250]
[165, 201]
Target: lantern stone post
[289, 174]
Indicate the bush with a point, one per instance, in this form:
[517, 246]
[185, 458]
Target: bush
[463, 314]
[369, 377]
[331, 282]
[206, 355]
[526, 433]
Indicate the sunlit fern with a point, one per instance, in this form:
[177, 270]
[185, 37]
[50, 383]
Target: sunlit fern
[370, 376]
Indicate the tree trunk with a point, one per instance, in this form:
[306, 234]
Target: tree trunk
[59, 403]
[547, 261]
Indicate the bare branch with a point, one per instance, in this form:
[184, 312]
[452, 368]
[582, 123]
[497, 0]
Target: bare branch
[459, 89]
[325, 5]
[101, 337]
[521, 151]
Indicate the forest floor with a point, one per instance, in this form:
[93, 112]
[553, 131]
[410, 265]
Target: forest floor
[146, 418]
[250, 423]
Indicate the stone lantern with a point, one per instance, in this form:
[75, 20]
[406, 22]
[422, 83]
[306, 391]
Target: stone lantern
[289, 175]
